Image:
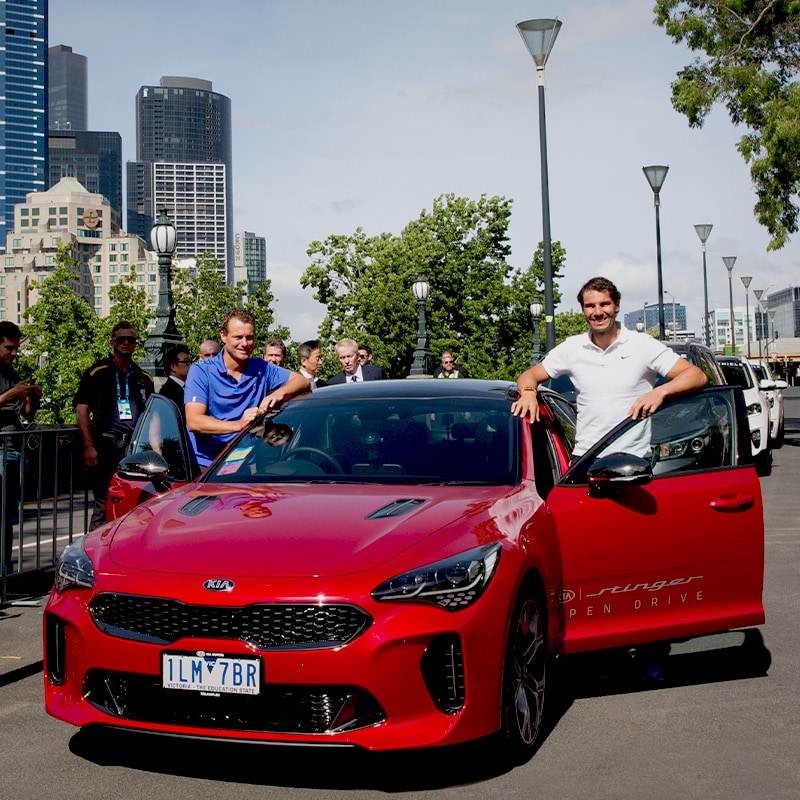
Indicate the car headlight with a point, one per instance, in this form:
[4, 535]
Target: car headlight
[753, 409]
[681, 447]
[453, 583]
[74, 569]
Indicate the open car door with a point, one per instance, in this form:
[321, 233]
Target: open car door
[158, 458]
[661, 528]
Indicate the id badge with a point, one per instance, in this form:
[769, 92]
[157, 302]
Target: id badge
[124, 408]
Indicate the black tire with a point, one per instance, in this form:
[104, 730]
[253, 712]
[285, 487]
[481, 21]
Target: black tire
[778, 441]
[525, 677]
[764, 463]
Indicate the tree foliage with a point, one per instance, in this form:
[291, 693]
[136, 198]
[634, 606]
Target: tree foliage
[478, 306]
[129, 304]
[750, 65]
[64, 338]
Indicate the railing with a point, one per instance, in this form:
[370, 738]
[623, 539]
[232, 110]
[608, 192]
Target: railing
[45, 498]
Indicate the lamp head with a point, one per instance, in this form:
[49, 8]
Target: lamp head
[163, 234]
[539, 36]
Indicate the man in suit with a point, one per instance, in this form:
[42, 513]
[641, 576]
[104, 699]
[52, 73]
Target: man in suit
[309, 354]
[353, 371]
[177, 361]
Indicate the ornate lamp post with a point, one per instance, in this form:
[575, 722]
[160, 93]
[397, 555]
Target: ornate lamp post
[420, 366]
[655, 177]
[539, 36]
[644, 314]
[536, 313]
[640, 326]
[746, 281]
[703, 232]
[165, 332]
[729, 262]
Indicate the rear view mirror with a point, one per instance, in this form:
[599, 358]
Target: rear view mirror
[145, 466]
[618, 470]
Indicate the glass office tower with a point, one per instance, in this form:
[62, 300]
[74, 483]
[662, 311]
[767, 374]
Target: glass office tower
[23, 104]
[67, 82]
[183, 122]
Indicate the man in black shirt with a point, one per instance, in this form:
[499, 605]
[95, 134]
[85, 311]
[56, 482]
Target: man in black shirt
[111, 396]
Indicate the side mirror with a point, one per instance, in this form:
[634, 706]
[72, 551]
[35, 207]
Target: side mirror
[781, 384]
[766, 385]
[618, 470]
[146, 466]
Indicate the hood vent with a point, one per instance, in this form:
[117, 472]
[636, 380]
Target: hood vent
[197, 505]
[395, 509]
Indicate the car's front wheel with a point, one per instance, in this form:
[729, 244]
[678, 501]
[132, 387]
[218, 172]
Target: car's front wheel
[763, 462]
[525, 677]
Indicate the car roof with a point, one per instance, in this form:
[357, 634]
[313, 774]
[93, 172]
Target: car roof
[411, 388]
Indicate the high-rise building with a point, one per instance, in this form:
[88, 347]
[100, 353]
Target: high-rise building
[250, 259]
[180, 125]
[23, 104]
[69, 214]
[94, 158]
[67, 93]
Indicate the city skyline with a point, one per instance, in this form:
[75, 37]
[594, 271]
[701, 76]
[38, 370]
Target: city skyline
[360, 116]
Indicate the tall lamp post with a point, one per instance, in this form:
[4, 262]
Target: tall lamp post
[729, 262]
[703, 232]
[536, 313]
[422, 355]
[644, 314]
[655, 177]
[539, 36]
[758, 293]
[674, 319]
[746, 281]
[165, 332]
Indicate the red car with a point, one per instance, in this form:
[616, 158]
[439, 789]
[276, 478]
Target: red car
[396, 564]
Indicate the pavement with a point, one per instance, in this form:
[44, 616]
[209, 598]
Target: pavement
[21, 629]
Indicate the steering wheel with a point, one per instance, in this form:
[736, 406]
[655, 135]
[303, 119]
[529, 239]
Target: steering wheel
[321, 453]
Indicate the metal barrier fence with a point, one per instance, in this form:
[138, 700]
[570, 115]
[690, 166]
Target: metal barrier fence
[45, 498]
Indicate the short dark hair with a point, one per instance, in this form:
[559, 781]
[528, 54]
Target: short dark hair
[365, 347]
[171, 356]
[121, 326]
[275, 343]
[307, 348]
[599, 284]
[9, 330]
[242, 314]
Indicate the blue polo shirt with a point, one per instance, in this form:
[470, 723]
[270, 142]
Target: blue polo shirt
[209, 382]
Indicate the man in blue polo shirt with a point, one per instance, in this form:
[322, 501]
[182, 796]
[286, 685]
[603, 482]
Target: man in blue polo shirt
[224, 394]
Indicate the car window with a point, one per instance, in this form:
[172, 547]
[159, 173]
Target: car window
[159, 430]
[419, 440]
[737, 374]
[565, 415]
[692, 433]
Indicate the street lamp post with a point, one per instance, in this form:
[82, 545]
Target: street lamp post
[746, 281]
[758, 293]
[674, 320]
[536, 313]
[640, 326]
[422, 355]
[655, 177]
[539, 36]
[644, 314]
[165, 332]
[703, 232]
[729, 262]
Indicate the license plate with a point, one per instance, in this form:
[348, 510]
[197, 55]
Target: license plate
[210, 672]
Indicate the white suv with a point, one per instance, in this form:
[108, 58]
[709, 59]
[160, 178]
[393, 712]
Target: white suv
[773, 389]
[739, 372]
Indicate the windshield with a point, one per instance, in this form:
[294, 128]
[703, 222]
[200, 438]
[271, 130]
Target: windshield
[378, 440]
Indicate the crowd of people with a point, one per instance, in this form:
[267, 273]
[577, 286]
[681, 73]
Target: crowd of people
[227, 387]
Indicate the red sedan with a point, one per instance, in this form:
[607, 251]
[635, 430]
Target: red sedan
[396, 564]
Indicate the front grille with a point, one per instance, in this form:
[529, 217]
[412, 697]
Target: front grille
[442, 668]
[265, 626]
[281, 708]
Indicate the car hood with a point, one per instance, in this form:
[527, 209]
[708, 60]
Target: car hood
[284, 530]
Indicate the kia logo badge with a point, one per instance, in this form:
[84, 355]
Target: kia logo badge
[219, 585]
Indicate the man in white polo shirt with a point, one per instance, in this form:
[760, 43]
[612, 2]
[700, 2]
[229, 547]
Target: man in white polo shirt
[613, 369]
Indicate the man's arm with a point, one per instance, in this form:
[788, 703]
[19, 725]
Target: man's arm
[682, 378]
[198, 420]
[295, 385]
[85, 427]
[528, 384]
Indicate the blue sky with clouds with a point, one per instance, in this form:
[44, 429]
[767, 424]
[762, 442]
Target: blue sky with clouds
[358, 113]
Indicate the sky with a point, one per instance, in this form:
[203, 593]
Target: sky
[360, 113]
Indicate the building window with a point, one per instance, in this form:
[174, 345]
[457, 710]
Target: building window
[9, 261]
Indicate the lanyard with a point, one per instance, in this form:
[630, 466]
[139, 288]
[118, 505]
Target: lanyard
[120, 395]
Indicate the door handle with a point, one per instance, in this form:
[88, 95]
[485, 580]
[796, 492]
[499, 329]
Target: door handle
[733, 502]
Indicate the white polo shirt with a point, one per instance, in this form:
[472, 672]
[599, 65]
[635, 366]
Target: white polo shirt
[607, 382]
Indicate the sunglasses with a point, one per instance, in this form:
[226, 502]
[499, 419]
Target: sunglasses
[125, 339]
[184, 361]
[448, 361]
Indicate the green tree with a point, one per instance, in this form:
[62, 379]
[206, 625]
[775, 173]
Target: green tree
[751, 62]
[478, 307]
[64, 338]
[202, 298]
[128, 304]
